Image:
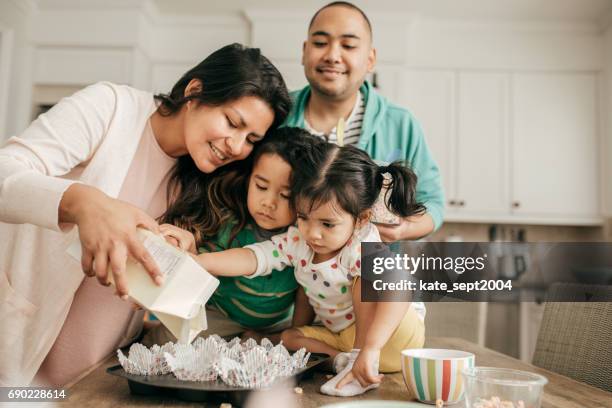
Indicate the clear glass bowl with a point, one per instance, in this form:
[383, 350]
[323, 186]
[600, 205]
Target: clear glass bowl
[487, 387]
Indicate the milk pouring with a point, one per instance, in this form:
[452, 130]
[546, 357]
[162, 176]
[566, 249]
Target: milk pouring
[179, 302]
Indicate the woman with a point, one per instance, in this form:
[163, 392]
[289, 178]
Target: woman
[101, 160]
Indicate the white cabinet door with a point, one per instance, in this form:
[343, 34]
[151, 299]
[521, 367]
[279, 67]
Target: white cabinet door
[482, 164]
[429, 95]
[554, 152]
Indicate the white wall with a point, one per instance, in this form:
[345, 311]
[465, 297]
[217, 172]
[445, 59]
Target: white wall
[178, 43]
[606, 113]
[77, 45]
[15, 19]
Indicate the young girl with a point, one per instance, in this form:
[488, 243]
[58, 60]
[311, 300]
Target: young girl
[239, 304]
[333, 207]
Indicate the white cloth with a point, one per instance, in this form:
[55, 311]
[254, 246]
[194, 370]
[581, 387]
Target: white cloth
[352, 388]
[327, 284]
[90, 137]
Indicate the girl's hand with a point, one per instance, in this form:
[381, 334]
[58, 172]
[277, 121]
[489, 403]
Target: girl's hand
[108, 234]
[364, 369]
[179, 237]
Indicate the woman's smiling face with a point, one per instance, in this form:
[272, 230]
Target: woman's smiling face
[217, 135]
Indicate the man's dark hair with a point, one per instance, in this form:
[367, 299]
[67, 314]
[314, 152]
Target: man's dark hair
[343, 4]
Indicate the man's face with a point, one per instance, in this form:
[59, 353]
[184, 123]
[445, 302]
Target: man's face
[338, 52]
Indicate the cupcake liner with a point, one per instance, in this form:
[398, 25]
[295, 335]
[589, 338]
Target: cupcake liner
[247, 365]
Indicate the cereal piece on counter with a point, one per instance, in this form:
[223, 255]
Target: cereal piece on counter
[298, 390]
[225, 405]
[439, 403]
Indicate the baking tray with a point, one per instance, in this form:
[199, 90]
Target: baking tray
[214, 391]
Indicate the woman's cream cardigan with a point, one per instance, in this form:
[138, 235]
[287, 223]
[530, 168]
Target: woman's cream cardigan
[90, 137]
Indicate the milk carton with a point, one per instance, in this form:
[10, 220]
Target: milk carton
[179, 302]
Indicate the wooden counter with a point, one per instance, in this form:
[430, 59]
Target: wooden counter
[102, 390]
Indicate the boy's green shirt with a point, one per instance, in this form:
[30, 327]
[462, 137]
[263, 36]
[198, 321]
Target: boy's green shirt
[258, 302]
[390, 132]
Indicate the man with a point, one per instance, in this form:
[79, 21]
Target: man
[337, 56]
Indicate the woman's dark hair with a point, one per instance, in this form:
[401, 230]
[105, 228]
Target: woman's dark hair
[349, 176]
[228, 74]
[226, 188]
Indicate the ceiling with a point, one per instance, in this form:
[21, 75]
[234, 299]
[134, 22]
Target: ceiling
[596, 11]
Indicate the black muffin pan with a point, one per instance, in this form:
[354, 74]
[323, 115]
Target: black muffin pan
[211, 391]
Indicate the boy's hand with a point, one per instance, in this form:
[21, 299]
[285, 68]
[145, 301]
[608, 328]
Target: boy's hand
[178, 237]
[364, 369]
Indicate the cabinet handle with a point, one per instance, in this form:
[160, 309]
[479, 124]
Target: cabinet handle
[461, 203]
[452, 203]
[516, 204]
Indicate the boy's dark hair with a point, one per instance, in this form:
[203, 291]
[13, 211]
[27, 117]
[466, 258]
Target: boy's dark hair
[226, 188]
[350, 177]
[343, 4]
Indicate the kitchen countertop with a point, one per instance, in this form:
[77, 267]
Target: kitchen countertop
[100, 389]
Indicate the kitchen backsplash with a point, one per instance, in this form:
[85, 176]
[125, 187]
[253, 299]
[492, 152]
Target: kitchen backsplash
[533, 233]
[504, 320]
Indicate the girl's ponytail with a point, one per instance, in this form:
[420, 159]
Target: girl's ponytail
[349, 176]
[400, 196]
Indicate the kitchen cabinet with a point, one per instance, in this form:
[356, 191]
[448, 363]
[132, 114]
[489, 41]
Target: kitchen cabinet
[555, 145]
[429, 95]
[512, 147]
[482, 140]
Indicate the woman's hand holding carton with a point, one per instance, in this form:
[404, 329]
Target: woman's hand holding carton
[107, 230]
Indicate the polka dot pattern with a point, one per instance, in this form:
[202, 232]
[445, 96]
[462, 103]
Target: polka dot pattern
[327, 285]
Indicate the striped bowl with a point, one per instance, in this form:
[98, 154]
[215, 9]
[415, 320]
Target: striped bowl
[434, 374]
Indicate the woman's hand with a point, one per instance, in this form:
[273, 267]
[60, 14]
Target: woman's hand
[179, 237]
[108, 234]
[365, 369]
